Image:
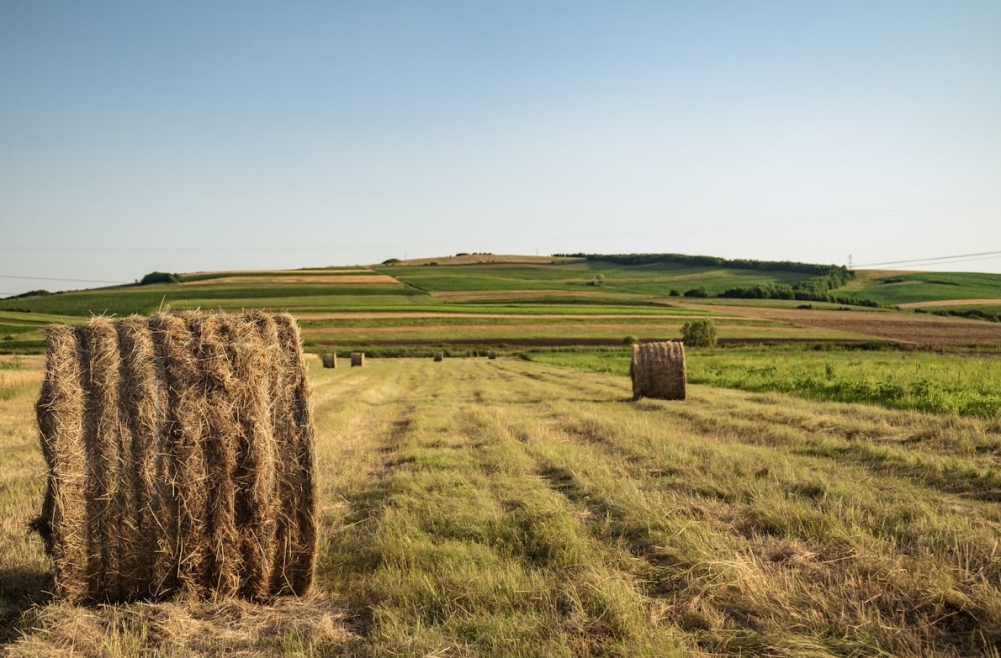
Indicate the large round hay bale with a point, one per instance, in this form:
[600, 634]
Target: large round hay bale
[357, 359]
[658, 371]
[180, 454]
[492, 354]
[438, 356]
[329, 360]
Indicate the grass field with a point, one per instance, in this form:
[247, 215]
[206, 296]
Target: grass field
[480, 508]
[937, 383]
[653, 280]
[908, 287]
[486, 298]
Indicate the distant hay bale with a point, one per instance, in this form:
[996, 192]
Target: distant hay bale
[438, 356]
[329, 360]
[357, 359]
[492, 354]
[180, 455]
[658, 371]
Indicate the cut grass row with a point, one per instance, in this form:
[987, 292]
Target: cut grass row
[503, 507]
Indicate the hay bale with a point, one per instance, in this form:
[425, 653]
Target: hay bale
[438, 356]
[180, 454]
[357, 359]
[658, 371]
[492, 354]
[329, 360]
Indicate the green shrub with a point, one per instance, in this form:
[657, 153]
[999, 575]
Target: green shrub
[697, 292]
[159, 277]
[700, 333]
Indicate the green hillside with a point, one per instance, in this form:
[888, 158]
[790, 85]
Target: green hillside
[897, 288]
[579, 281]
[657, 279]
[492, 300]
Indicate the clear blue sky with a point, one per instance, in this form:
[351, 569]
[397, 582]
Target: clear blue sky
[181, 136]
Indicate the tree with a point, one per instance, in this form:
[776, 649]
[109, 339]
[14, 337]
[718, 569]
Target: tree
[697, 292]
[159, 277]
[699, 333]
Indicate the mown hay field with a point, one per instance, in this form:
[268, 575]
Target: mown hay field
[967, 385]
[500, 507]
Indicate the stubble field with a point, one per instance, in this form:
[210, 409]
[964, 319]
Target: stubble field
[476, 507]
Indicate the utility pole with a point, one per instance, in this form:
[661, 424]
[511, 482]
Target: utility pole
[849, 261]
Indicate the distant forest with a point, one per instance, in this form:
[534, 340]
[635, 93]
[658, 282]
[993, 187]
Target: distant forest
[822, 278]
[715, 261]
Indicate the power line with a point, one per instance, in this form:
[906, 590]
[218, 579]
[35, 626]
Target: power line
[915, 261]
[45, 278]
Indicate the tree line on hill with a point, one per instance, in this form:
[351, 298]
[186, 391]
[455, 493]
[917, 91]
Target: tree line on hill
[817, 288]
[715, 261]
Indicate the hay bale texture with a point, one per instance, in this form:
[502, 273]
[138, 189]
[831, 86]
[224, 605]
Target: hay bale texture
[438, 356]
[357, 359]
[329, 360]
[492, 354]
[658, 371]
[181, 458]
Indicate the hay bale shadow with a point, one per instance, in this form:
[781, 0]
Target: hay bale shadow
[21, 589]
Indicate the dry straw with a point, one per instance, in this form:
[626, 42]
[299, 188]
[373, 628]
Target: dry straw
[329, 360]
[357, 359]
[438, 356]
[180, 454]
[658, 371]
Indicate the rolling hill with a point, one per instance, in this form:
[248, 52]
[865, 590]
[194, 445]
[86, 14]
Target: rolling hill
[476, 300]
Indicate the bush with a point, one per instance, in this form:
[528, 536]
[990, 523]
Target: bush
[674, 293]
[700, 333]
[630, 340]
[159, 277]
[697, 292]
[391, 261]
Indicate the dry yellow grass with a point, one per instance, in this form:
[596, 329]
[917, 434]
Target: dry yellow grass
[509, 508]
[953, 302]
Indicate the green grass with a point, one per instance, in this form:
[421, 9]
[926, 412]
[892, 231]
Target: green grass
[347, 270]
[147, 299]
[926, 286]
[935, 383]
[649, 280]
